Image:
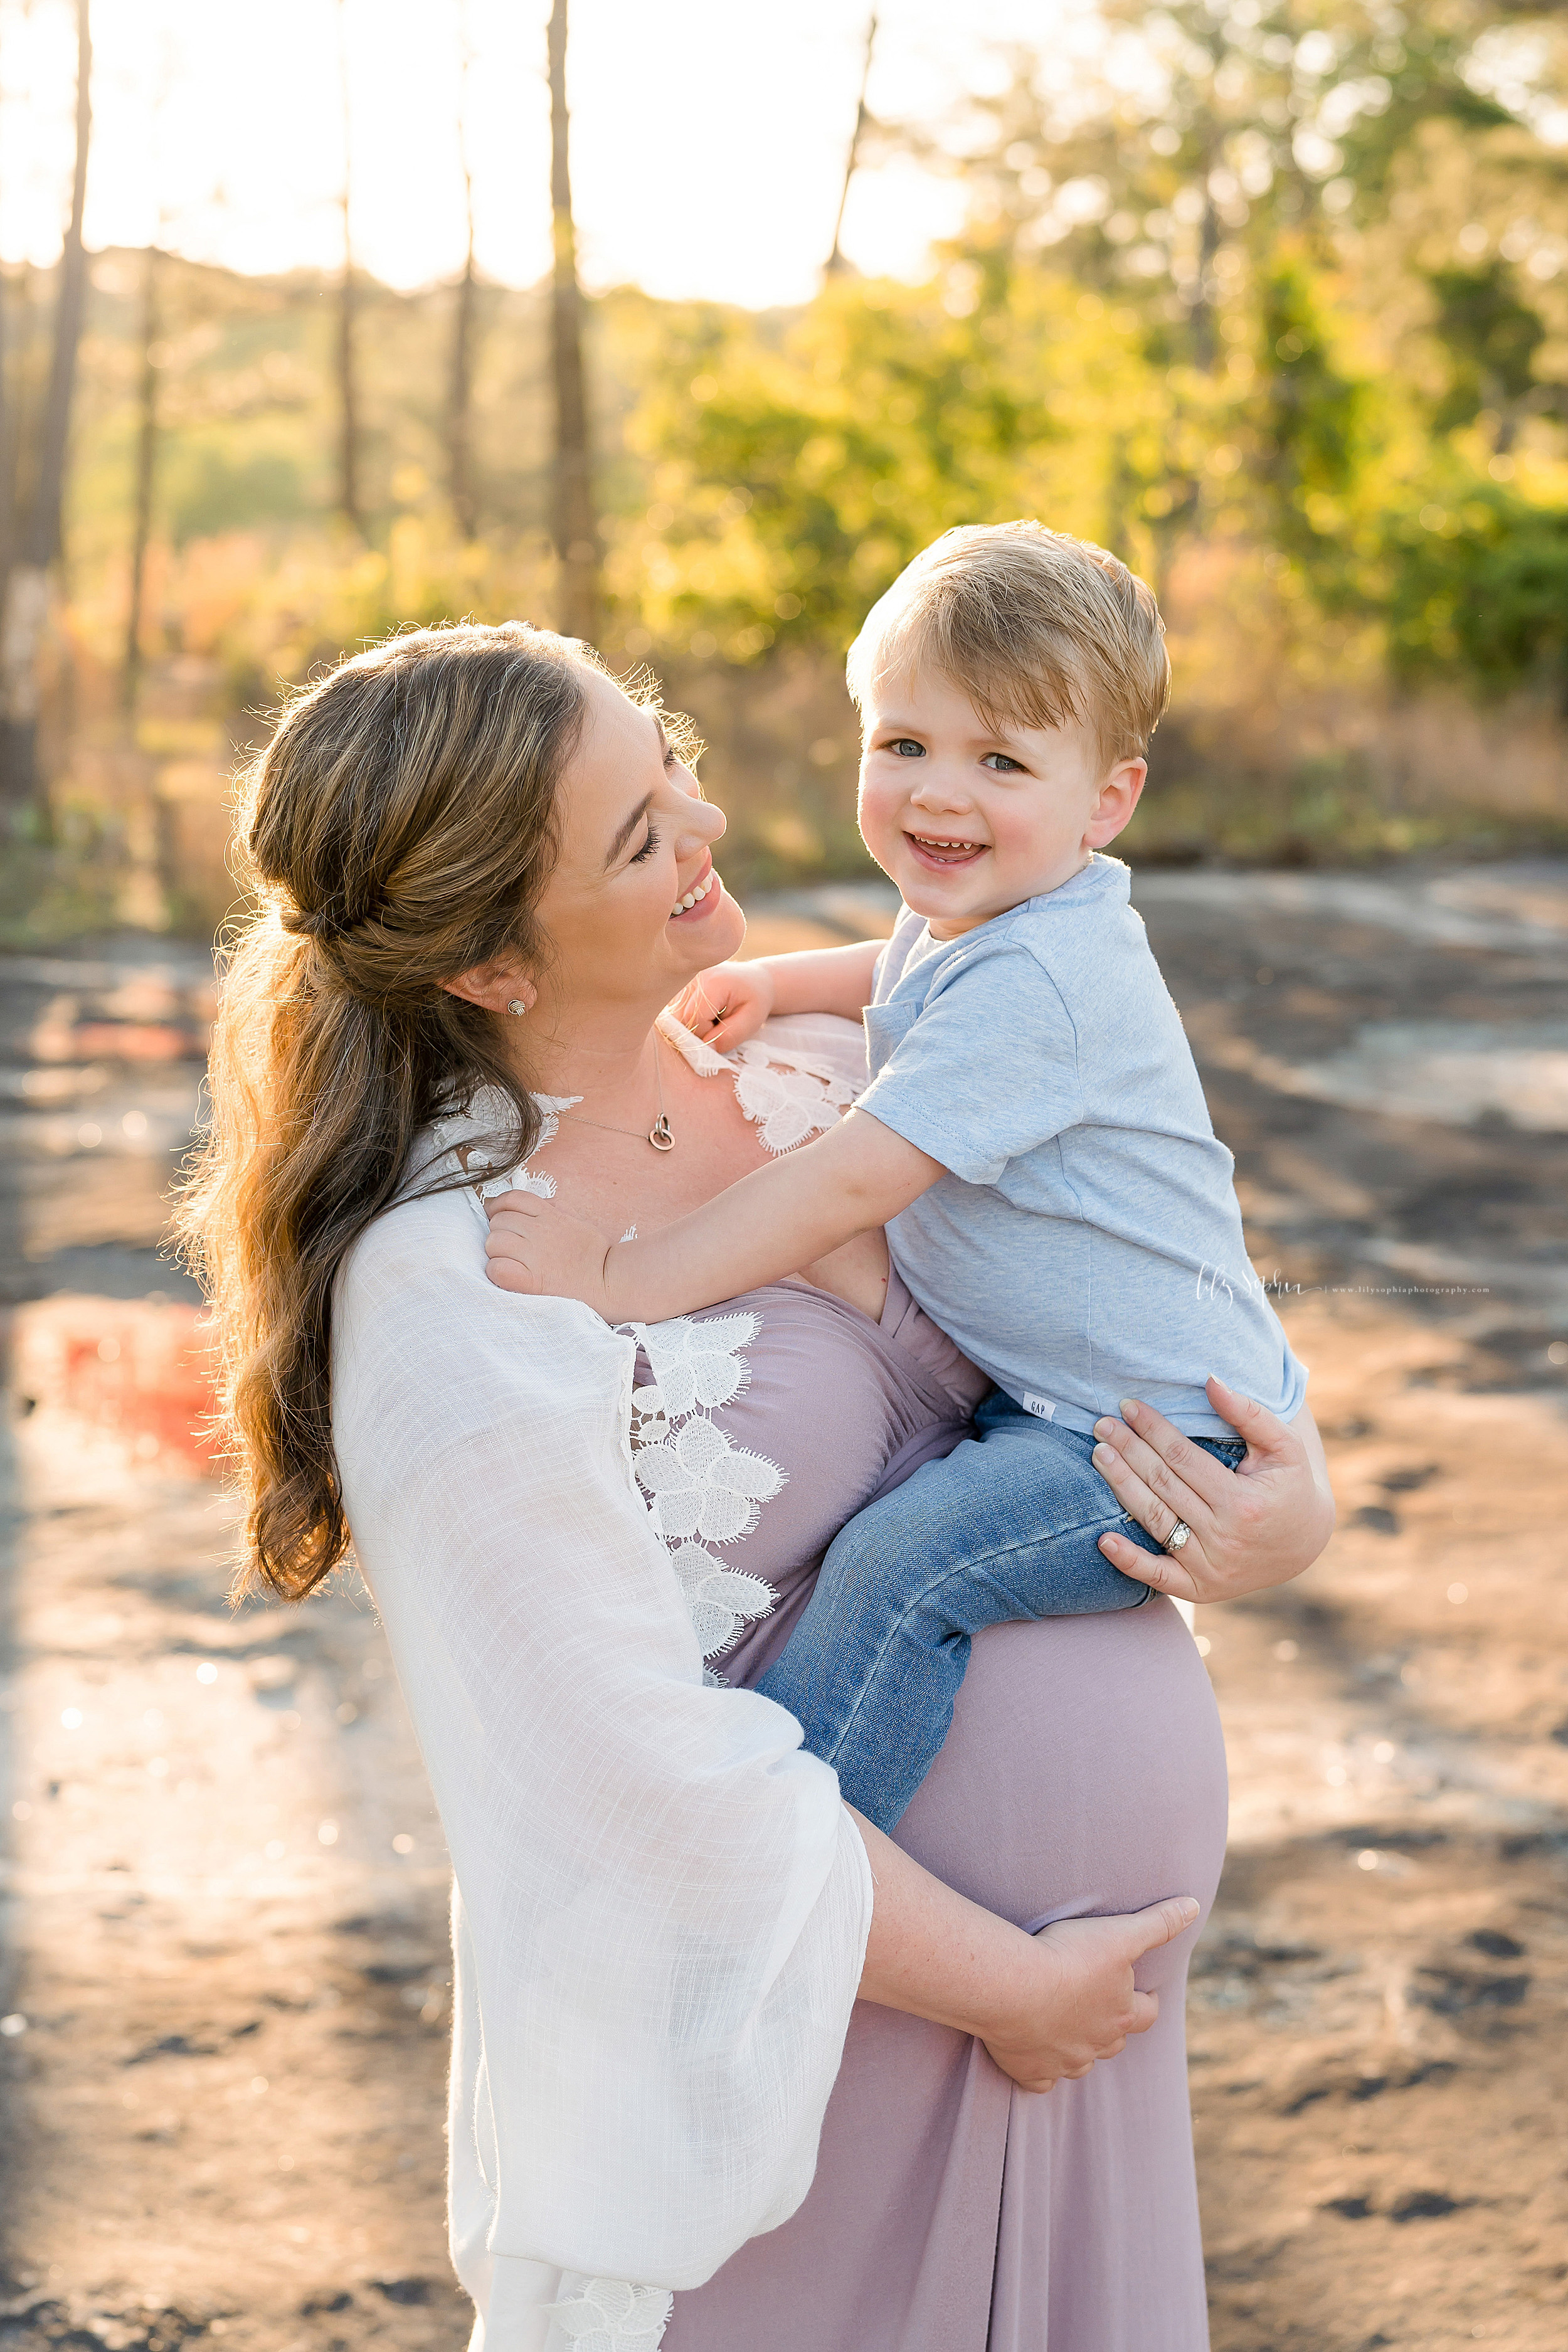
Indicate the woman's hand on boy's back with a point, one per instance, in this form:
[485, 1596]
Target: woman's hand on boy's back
[1258, 1525]
[727, 1003]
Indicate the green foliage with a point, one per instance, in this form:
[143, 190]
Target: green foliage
[1230, 299]
[795, 472]
[1491, 338]
[1213, 132]
[1480, 586]
[210, 488]
[1314, 425]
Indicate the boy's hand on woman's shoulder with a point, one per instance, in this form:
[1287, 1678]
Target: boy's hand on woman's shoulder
[726, 1004]
[542, 1251]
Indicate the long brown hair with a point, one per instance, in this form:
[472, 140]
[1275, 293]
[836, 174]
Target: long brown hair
[397, 829]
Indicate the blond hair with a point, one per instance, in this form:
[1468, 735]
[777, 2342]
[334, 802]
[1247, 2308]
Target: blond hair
[398, 830]
[1037, 628]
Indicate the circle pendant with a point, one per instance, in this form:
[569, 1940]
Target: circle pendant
[659, 1135]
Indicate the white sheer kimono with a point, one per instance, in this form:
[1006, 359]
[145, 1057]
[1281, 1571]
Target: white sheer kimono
[660, 1906]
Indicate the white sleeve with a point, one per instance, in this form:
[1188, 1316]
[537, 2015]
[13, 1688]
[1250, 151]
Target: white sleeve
[661, 1905]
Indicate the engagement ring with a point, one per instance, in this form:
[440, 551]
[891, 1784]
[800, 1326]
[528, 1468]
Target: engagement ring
[1177, 1536]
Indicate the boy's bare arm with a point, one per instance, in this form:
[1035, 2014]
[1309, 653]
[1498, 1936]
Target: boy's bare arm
[767, 1225]
[825, 980]
[729, 1002]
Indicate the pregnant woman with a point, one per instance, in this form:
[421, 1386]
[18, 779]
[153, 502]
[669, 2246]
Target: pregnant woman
[485, 872]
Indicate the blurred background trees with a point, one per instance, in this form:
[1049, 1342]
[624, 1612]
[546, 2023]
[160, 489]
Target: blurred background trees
[1272, 300]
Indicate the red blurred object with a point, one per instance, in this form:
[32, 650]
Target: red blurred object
[142, 1371]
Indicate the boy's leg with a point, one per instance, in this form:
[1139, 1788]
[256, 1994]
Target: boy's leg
[1004, 1529]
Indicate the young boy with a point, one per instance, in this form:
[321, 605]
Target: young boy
[1033, 1135]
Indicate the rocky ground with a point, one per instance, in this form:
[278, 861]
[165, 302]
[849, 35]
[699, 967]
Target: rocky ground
[223, 1973]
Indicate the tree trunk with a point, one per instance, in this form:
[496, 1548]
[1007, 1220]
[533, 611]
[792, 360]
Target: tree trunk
[146, 464]
[1201, 313]
[836, 263]
[575, 528]
[459, 443]
[20, 328]
[7, 453]
[348, 389]
[27, 586]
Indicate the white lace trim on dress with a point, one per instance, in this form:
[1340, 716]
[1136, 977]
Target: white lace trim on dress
[452, 1133]
[601, 2314]
[700, 1488]
[787, 1099]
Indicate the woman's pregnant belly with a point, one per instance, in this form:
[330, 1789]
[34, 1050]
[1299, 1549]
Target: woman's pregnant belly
[1084, 1772]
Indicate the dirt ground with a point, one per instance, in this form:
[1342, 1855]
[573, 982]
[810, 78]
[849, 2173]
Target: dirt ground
[223, 1978]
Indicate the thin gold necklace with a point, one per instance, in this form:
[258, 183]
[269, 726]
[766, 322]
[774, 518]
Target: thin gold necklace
[659, 1134]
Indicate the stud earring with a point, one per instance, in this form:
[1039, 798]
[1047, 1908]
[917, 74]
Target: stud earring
[517, 1008]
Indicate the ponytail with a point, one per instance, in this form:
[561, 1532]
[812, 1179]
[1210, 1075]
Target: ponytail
[398, 830]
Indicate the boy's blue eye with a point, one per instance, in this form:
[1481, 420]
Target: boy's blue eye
[1002, 764]
[908, 748]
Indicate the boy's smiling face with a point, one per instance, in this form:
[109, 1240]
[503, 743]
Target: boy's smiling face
[970, 823]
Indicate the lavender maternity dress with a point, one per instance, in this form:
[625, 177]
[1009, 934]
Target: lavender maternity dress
[1084, 1772]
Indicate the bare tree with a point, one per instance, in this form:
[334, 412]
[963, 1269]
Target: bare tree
[8, 458]
[21, 304]
[146, 466]
[836, 261]
[574, 523]
[7, 450]
[348, 388]
[149, 421]
[459, 439]
[27, 586]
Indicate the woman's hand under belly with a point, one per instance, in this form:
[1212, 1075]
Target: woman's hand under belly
[856, 1272]
[1045, 2006]
[1083, 1774]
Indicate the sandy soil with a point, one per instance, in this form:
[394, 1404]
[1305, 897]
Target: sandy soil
[224, 1976]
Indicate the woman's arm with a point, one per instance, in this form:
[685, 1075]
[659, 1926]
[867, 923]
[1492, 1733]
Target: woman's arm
[1045, 2006]
[1258, 1525]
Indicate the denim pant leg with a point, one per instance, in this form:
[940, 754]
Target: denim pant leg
[1004, 1529]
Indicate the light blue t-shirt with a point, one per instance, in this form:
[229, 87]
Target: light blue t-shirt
[1086, 1244]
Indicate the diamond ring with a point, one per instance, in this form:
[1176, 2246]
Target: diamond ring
[1177, 1536]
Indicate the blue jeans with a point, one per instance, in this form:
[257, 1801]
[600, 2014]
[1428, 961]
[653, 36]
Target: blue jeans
[1004, 1529]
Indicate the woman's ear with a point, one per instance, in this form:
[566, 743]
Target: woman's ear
[494, 987]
